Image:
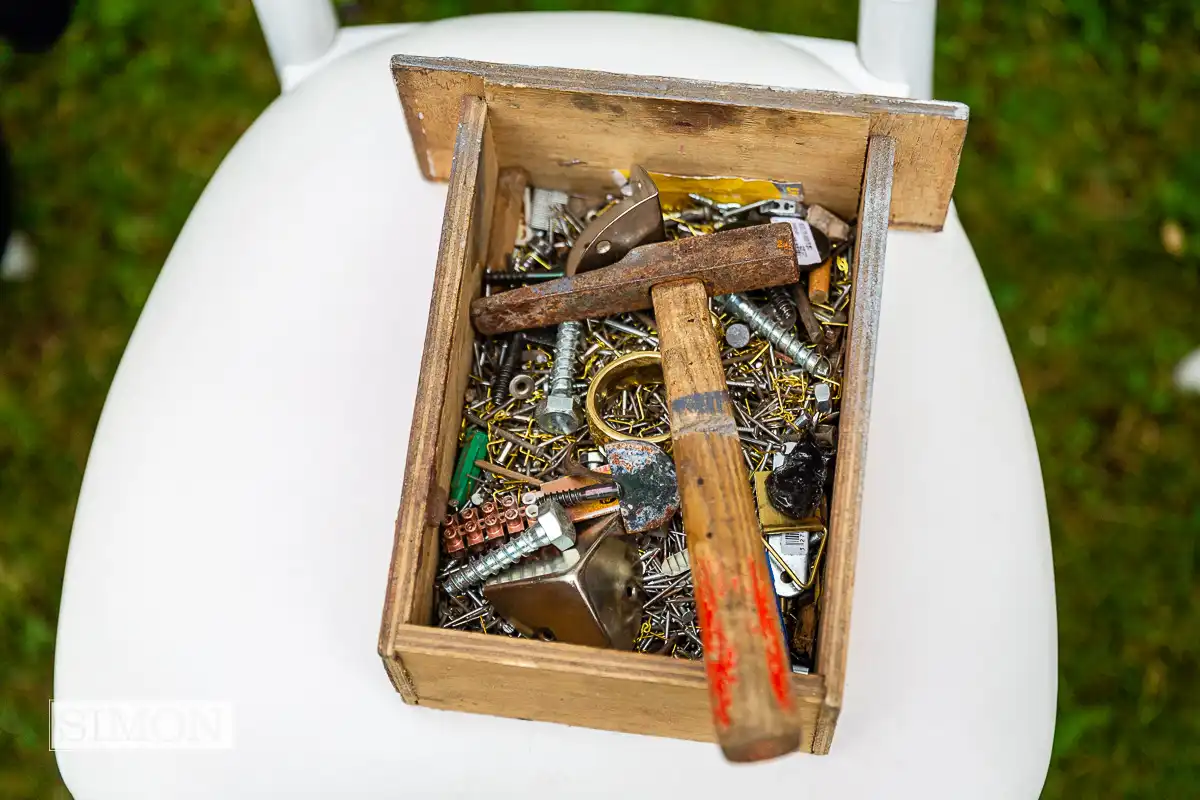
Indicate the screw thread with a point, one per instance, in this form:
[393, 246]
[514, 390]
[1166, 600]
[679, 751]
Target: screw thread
[785, 312]
[479, 569]
[582, 494]
[562, 378]
[507, 367]
[512, 277]
[802, 354]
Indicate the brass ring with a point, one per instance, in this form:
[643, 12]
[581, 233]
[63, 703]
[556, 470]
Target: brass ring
[631, 369]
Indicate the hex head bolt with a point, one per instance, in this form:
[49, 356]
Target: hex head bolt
[558, 413]
[801, 354]
[553, 527]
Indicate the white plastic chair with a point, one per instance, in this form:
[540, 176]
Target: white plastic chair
[234, 529]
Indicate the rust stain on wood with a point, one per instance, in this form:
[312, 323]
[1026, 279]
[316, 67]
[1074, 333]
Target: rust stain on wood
[730, 261]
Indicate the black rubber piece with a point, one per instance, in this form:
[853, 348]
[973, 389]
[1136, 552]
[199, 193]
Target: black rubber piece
[796, 487]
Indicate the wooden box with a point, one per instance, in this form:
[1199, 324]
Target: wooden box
[875, 159]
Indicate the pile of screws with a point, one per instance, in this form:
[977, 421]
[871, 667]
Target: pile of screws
[525, 423]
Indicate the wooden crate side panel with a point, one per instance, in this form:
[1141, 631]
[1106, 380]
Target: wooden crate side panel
[841, 550]
[506, 219]
[822, 738]
[431, 98]
[928, 150]
[605, 689]
[929, 134]
[442, 382]
[574, 140]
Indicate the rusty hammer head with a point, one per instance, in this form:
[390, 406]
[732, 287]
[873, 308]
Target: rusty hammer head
[646, 477]
[739, 260]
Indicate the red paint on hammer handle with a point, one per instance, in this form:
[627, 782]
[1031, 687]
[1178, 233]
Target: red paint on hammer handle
[768, 621]
[719, 659]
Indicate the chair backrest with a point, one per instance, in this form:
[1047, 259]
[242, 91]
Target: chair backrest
[895, 37]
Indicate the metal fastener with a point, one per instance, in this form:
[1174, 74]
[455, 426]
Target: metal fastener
[521, 387]
[553, 527]
[585, 494]
[501, 385]
[452, 541]
[802, 355]
[513, 278]
[493, 528]
[558, 412]
[823, 396]
[781, 304]
[737, 335]
[474, 535]
[514, 522]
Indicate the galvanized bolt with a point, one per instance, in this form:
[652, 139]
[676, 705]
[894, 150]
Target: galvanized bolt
[803, 355]
[558, 413]
[553, 526]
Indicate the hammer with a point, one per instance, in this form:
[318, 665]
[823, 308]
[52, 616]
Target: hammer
[749, 677]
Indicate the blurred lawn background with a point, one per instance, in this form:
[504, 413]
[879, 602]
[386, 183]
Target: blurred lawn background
[1080, 187]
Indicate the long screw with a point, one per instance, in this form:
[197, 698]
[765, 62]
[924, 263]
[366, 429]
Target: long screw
[512, 278]
[557, 412]
[584, 494]
[801, 354]
[562, 378]
[553, 527]
[507, 367]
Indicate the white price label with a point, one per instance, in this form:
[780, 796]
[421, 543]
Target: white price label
[795, 543]
[806, 245]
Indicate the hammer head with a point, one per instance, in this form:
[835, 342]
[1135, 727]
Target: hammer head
[649, 489]
[738, 260]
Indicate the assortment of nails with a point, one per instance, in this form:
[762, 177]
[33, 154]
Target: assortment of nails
[572, 423]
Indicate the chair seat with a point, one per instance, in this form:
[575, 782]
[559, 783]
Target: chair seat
[234, 529]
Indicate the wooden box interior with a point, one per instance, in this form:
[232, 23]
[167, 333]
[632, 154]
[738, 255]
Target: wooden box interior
[862, 157]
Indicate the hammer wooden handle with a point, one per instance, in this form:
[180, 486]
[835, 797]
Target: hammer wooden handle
[749, 678]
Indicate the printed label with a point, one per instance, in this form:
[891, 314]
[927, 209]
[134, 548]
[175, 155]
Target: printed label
[795, 543]
[806, 245]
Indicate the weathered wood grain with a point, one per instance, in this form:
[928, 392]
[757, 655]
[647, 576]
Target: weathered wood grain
[731, 261]
[604, 121]
[605, 689]
[506, 219]
[444, 368]
[749, 678]
[842, 547]
[491, 128]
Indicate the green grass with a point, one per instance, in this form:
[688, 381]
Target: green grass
[1081, 162]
